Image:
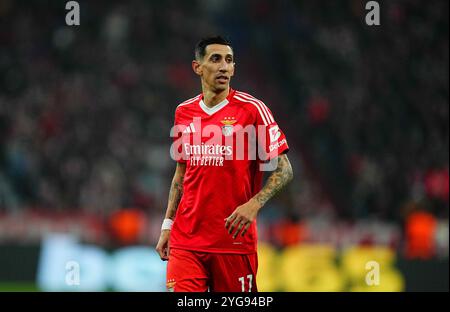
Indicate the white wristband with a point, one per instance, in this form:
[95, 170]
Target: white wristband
[167, 224]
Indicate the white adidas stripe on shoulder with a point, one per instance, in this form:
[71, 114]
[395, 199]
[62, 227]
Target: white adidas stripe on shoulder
[263, 106]
[257, 105]
[191, 100]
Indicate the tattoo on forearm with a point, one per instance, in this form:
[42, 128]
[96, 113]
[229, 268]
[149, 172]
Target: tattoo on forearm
[175, 194]
[276, 181]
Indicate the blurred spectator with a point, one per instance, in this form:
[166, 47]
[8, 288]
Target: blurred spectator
[420, 235]
[126, 226]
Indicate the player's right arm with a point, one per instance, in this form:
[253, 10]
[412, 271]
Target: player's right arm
[175, 194]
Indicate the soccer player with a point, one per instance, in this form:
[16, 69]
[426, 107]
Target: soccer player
[215, 195]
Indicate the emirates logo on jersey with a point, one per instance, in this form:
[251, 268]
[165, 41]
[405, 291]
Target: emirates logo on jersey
[227, 128]
[223, 140]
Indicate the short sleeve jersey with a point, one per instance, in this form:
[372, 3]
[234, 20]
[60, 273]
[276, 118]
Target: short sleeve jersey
[226, 150]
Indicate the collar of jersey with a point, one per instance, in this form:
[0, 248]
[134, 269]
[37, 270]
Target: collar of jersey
[212, 110]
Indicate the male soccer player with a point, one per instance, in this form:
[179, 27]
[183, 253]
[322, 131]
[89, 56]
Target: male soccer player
[210, 222]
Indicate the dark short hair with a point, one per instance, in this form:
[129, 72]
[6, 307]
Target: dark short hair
[200, 48]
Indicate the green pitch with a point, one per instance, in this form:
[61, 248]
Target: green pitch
[18, 286]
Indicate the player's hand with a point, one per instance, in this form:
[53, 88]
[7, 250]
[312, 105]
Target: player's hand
[163, 245]
[241, 219]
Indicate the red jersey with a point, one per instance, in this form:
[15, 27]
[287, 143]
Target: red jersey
[225, 149]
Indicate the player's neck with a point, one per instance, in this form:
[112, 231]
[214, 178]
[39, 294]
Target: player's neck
[211, 98]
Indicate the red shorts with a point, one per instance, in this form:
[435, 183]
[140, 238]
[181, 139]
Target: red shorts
[201, 271]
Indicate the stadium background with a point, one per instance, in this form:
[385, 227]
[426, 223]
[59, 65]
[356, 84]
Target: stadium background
[85, 113]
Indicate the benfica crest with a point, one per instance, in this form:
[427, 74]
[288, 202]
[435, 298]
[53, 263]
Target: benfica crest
[227, 128]
[170, 285]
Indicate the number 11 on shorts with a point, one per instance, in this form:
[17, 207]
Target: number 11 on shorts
[250, 280]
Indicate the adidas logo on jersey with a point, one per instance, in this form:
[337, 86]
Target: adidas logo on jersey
[190, 128]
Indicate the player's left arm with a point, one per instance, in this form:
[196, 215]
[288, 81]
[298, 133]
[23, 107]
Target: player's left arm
[244, 215]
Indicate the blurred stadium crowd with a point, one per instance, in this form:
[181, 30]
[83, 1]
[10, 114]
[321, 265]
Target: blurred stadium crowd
[85, 111]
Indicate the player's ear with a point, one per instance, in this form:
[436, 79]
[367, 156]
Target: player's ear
[232, 70]
[196, 67]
